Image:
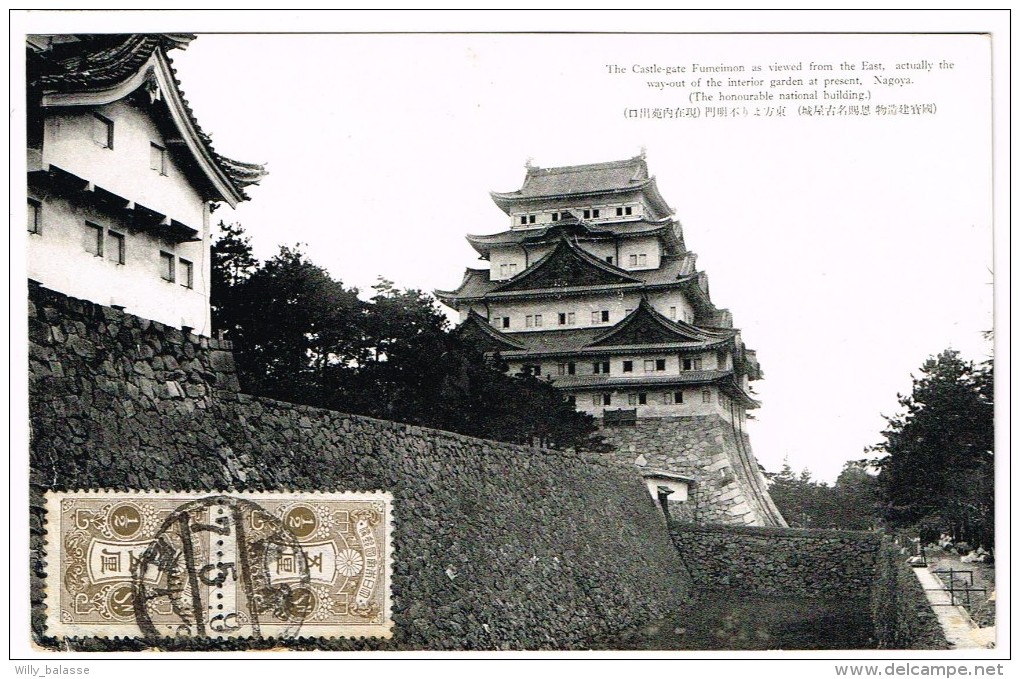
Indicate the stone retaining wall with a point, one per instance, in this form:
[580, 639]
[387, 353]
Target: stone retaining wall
[901, 612]
[729, 487]
[550, 549]
[778, 561]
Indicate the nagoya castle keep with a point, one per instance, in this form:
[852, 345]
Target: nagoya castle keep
[593, 288]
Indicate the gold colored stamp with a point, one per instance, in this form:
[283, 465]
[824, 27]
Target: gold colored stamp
[234, 565]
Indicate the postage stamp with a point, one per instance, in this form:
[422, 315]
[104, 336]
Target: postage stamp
[235, 565]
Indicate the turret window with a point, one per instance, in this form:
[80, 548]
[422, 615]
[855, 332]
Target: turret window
[533, 321]
[556, 216]
[116, 249]
[600, 368]
[691, 364]
[602, 400]
[166, 267]
[567, 318]
[157, 158]
[628, 366]
[93, 239]
[655, 365]
[673, 398]
[187, 273]
[567, 368]
[102, 131]
[34, 221]
[600, 316]
[638, 260]
[637, 399]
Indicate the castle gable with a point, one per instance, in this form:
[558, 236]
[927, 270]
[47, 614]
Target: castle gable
[646, 326]
[567, 266]
[476, 331]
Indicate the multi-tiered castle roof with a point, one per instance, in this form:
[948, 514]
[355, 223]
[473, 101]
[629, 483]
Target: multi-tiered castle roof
[593, 287]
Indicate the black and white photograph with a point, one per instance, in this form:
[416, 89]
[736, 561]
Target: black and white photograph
[509, 335]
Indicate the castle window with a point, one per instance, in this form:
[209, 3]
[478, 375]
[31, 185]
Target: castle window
[566, 318]
[513, 269]
[609, 259]
[637, 399]
[531, 219]
[102, 131]
[533, 321]
[627, 312]
[166, 266]
[655, 365]
[626, 210]
[503, 270]
[524, 219]
[506, 321]
[587, 214]
[187, 277]
[116, 249]
[619, 212]
[602, 400]
[706, 395]
[628, 366]
[600, 368]
[691, 364]
[556, 216]
[674, 397]
[600, 316]
[638, 260]
[157, 158]
[93, 239]
[595, 214]
[672, 313]
[534, 369]
[34, 212]
[566, 368]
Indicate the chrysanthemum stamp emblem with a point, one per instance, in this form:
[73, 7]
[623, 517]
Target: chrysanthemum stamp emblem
[238, 565]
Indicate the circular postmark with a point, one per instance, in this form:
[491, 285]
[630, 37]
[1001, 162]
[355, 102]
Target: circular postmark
[221, 567]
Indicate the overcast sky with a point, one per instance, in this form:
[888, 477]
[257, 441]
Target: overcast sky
[848, 249]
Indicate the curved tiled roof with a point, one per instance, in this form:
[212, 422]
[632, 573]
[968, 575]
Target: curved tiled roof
[674, 271]
[585, 230]
[616, 176]
[88, 63]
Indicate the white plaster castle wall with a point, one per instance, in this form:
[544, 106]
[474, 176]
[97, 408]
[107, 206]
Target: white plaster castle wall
[694, 402]
[581, 306]
[640, 246]
[123, 169]
[57, 259]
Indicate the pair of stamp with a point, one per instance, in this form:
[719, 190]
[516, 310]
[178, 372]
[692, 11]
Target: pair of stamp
[238, 565]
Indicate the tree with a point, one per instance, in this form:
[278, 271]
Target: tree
[937, 464]
[292, 322]
[850, 504]
[300, 336]
[233, 262]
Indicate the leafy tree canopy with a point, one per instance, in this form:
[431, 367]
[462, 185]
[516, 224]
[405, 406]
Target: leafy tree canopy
[936, 464]
[299, 335]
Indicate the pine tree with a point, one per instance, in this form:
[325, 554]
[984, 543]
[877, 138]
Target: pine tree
[937, 469]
